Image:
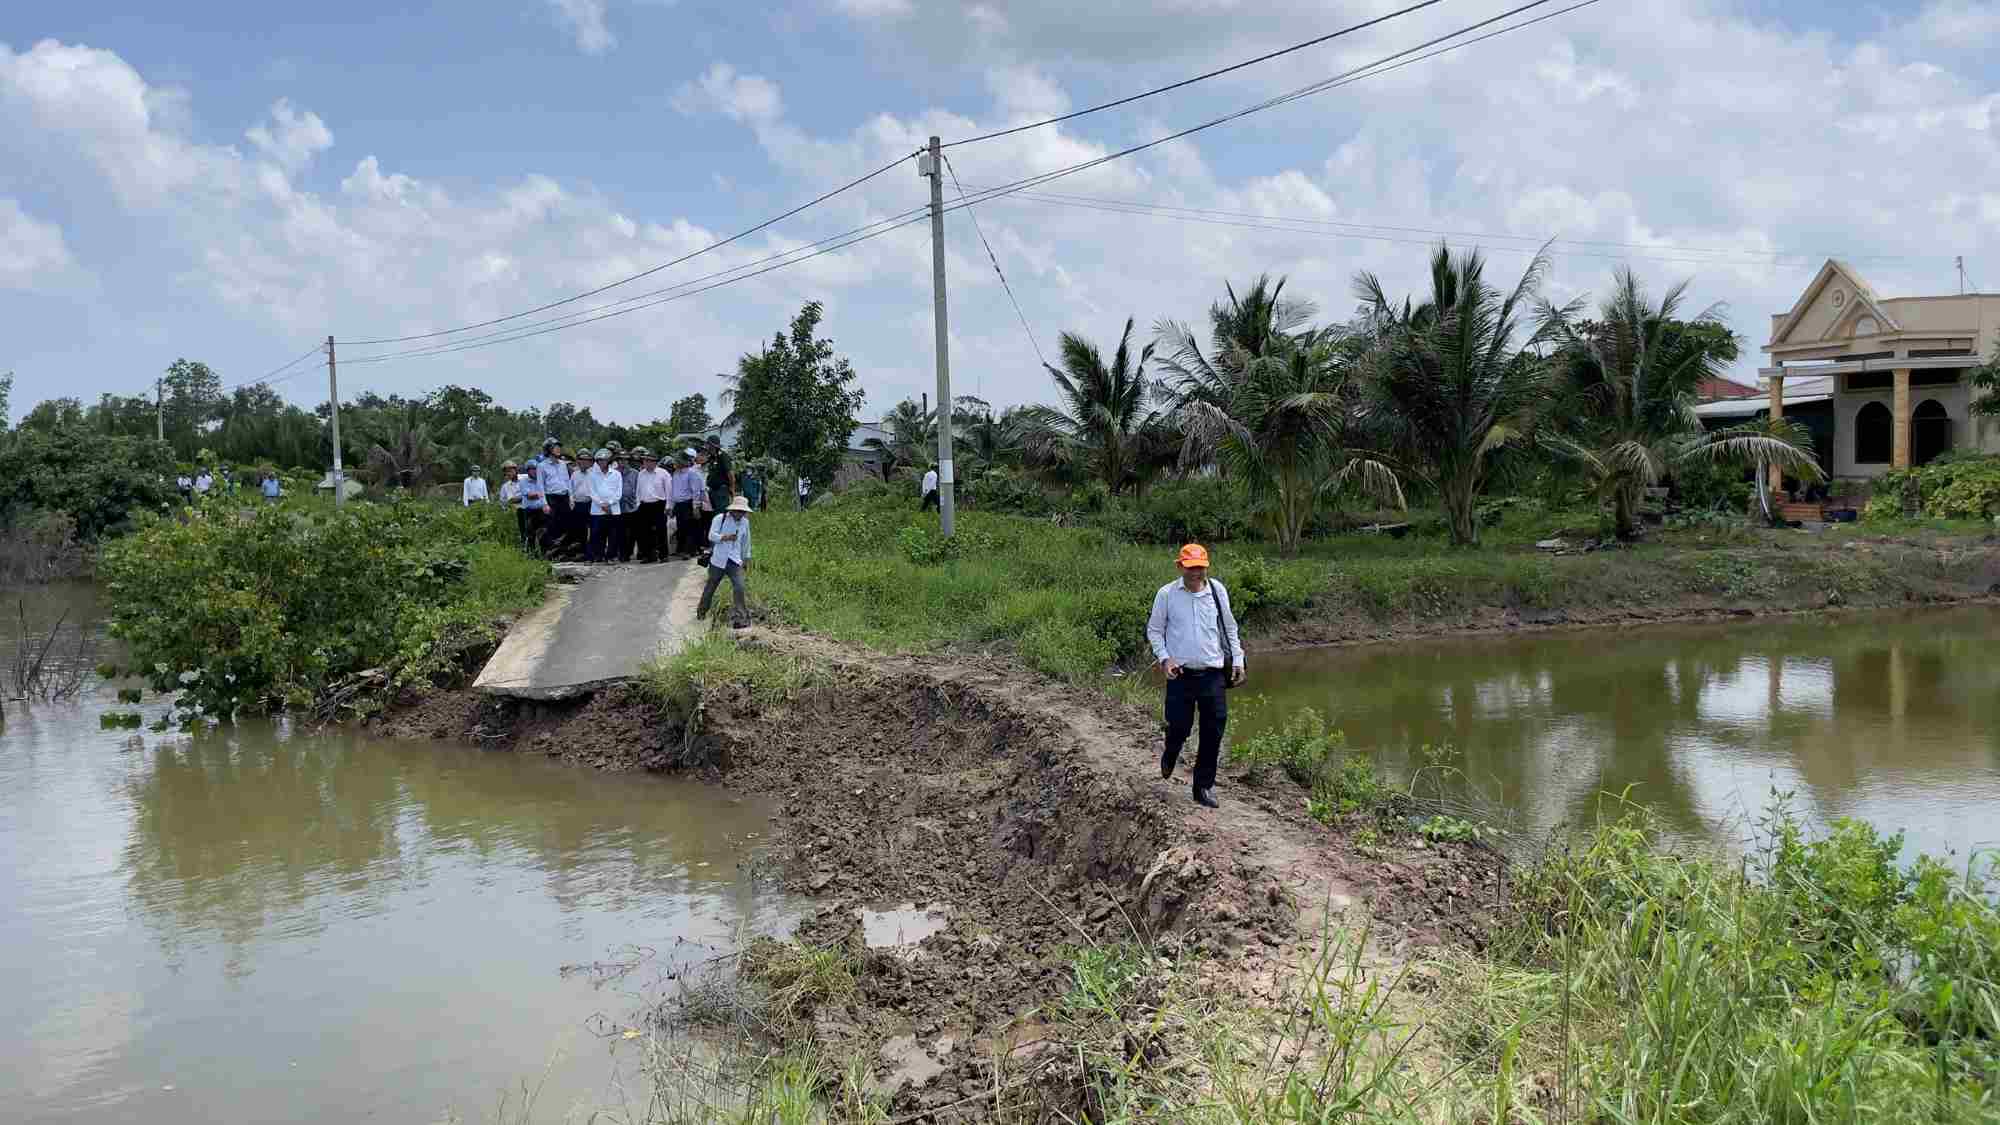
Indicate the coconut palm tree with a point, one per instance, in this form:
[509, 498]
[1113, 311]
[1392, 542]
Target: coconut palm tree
[1450, 381]
[403, 452]
[1285, 427]
[912, 437]
[1629, 383]
[1255, 324]
[1102, 425]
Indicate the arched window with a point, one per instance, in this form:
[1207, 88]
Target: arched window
[1930, 431]
[1874, 434]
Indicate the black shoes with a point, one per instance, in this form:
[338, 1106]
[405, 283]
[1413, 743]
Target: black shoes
[1166, 772]
[1206, 797]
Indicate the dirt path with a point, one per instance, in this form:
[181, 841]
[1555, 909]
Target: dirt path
[1032, 816]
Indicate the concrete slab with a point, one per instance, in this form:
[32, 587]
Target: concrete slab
[596, 632]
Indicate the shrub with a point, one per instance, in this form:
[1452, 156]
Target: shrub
[275, 610]
[97, 480]
[1304, 749]
[1202, 511]
[1960, 485]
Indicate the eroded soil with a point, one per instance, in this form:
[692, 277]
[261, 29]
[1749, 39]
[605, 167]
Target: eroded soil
[1034, 813]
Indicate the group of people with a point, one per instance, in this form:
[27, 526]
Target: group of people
[618, 505]
[202, 482]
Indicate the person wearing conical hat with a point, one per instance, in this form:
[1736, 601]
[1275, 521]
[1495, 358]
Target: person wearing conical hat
[729, 557]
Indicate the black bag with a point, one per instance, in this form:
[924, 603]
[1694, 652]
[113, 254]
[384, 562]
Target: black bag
[1222, 634]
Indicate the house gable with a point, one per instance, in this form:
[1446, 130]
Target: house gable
[1828, 308]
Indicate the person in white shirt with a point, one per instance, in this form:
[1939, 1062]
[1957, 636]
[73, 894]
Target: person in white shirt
[805, 490]
[607, 488]
[474, 491]
[1194, 638]
[729, 537]
[510, 498]
[930, 490]
[203, 482]
[651, 493]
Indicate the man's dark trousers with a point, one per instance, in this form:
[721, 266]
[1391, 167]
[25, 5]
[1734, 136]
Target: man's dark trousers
[684, 529]
[652, 538]
[1188, 693]
[930, 500]
[555, 533]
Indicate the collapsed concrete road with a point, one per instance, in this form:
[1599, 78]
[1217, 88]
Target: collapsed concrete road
[599, 631]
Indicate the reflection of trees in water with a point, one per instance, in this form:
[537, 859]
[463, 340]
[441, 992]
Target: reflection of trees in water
[1548, 724]
[237, 832]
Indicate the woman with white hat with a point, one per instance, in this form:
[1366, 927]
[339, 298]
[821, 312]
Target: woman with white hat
[729, 537]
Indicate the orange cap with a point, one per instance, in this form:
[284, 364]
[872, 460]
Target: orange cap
[1194, 554]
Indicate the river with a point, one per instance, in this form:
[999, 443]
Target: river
[1892, 718]
[266, 924]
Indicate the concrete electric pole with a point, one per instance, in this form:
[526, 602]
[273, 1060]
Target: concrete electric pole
[160, 401]
[931, 164]
[333, 415]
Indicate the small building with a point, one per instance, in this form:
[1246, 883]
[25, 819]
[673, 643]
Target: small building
[1884, 378]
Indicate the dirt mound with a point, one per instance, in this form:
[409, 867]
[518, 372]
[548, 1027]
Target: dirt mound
[1031, 814]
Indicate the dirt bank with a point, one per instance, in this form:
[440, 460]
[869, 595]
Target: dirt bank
[1033, 814]
[1622, 587]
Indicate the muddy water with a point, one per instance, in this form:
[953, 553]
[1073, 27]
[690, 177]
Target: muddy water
[1891, 718]
[263, 924]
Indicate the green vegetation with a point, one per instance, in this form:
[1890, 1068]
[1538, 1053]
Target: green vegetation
[1957, 486]
[795, 399]
[714, 659]
[302, 606]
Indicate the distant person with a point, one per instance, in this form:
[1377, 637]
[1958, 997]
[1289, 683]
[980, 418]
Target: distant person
[729, 539]
[474, 489]
[721, 478]
[534, 508]
[628, 504]
[203, 482]
[930, 491]
[185, 484]
[1194, 638]
[607, 488]
[580, 503]
[687, 486]
[805, 491]
[753, 488]
[552, 488]
[649, 522]
[271, 488]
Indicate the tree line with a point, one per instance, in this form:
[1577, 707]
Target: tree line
[1446, 395]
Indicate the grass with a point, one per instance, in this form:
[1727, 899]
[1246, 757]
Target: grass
[713, 660]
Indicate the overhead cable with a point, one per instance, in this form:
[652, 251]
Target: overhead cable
[991, 257]
[717, 245]
[1217, 73]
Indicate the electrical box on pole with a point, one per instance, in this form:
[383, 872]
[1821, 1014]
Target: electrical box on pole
[931, 163]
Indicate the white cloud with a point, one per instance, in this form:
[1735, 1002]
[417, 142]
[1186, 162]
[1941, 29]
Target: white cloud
[291, 138]
[33, 255]
[875, 9]
[584, 20]
[741, 97]
[1960, 24]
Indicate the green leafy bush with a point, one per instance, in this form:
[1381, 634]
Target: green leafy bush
[1304, 749]
[96, 480]
[1959, 485]
[275, 609]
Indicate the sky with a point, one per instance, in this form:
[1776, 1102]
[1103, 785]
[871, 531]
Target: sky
[234, 182]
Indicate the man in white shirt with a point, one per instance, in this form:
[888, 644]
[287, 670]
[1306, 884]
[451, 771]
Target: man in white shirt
[729, 537]
[651, 493]
[510, 498]
[474, 491]
[607, 488]
[203, 482]
[930, 490]
[805, 490]
[1194, 638]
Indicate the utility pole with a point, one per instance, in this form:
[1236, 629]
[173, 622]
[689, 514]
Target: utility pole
[932, 164]
[1961, 275]
[333, 415]
[160, 399]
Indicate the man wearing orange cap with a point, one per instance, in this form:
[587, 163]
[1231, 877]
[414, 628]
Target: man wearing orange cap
[1194, 638]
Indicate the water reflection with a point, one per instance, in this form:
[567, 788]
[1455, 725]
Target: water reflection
[268, 924]
[1890, 718]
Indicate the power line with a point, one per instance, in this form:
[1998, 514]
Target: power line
[638, 297]
[1740, 252]
[444, 349]
[813, 202]
[1101, 106]
[991, 257]
[271, 376]
[1374, 69]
